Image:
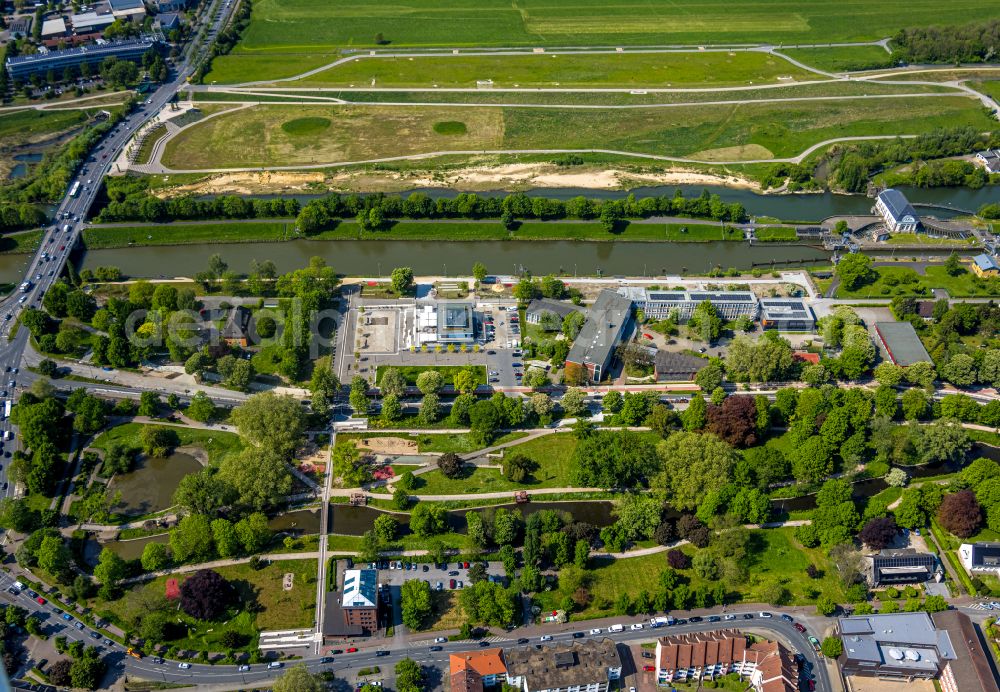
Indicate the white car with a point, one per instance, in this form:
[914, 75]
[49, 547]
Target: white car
[275, 664]
[546, 637]
[596, 630]
[184, 666]
[764, 614]
[636, 626]
[440, 640]
[730, 617]
[244, 668]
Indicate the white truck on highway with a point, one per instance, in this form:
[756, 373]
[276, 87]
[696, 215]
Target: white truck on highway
[660, 621]
[6, 409]
[25, 287]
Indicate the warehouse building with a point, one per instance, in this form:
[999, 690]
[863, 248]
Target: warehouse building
[661, 305]
[786, 314]
[901, 343]
[23, 67]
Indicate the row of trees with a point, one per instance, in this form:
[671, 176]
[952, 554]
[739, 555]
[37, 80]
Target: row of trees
[969, 43]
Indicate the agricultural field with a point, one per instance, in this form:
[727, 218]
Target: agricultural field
[286, 37]
[303, 135]
[842, 58]
[716, 68]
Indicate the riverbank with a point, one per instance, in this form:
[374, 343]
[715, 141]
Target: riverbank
[279, 230]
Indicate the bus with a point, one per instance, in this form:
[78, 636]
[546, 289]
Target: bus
[75, 189]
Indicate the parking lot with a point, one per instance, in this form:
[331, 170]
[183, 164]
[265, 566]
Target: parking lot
[434, 574]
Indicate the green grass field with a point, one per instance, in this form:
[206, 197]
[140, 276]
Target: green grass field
[776, 234]
[601, 70]
[23, 243]
[964, 285]
[287, 36]
[182, 234]
[709, 133]
[411, 372]
[31, 124]
[774, 556]
[217, 444]
[990, 88]
[842, 58]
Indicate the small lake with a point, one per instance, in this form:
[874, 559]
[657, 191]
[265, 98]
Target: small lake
[22, 166]
[150, 485]
[298, 522]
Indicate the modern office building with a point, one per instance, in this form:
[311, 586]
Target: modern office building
[360, 599]
[786, 314]
[660, 305]
[607, 322]
[456, 322]
[897, 213]
[891, 567]
[22, 67]
[590, 665]
[980, 558]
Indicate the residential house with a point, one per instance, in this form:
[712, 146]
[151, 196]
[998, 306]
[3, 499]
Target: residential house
[990, 159]
[671, 366]
[236, 332]
[984, 265]
[897, 213]
[980, 558]
[700, 656]
[472, 671]
[540, 306]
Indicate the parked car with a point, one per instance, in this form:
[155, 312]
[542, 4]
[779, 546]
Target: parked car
[636, 626]
[647, 654]
[648, 669]
[451, 583]
[696, 618]
[352, 649]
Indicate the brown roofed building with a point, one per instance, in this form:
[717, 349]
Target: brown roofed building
[236, 332]
[708, 655]
[970, 670]
[471, 671]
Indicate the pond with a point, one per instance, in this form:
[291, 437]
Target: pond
[127, 550]
[150, 485]
[22, 166]
[299, 522]
[350, 520]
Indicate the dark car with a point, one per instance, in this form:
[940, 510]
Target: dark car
[337, 651]
[680, 621]
[694, 619]
[786, 617]
[437, 648]
[748, 616]
[453, 573]
[426, 568]
[578, 635]
[647, 654]
[799, 627]
[522, 640]
[326, 659]
[484, 643]
[381, 652]
[94, 635]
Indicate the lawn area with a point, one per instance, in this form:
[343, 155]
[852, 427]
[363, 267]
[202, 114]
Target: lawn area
[217, 444]
[263, 604]
[707, 133]
[186, 233]
[32, 125]
[963, 285]
[289, 35]
[777, 234]
[924, 239]
[774, 556]
[448, 372]
[608, 70]
[459, 443]
[842, 58]
[146, 150]
[990, 88]
[23, 243]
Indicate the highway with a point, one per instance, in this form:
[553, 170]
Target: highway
[47, 264]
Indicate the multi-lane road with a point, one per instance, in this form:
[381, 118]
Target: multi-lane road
[47, 264]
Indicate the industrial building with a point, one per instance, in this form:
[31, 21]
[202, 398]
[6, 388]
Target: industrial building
[897, 213]
[891, 567]
[22, 67]
[786, 314]
[607, 323]
[591, 665]
[901, 343]
[909, 646]
[661, 305]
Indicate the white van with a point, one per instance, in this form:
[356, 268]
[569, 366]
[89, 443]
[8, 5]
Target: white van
[616, 628]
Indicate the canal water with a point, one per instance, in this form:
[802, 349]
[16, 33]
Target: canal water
[150, 485]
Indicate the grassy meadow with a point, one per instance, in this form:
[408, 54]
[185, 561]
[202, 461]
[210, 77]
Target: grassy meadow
[615, 70]
[842, 58]
[271, 135]
[286, 37]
